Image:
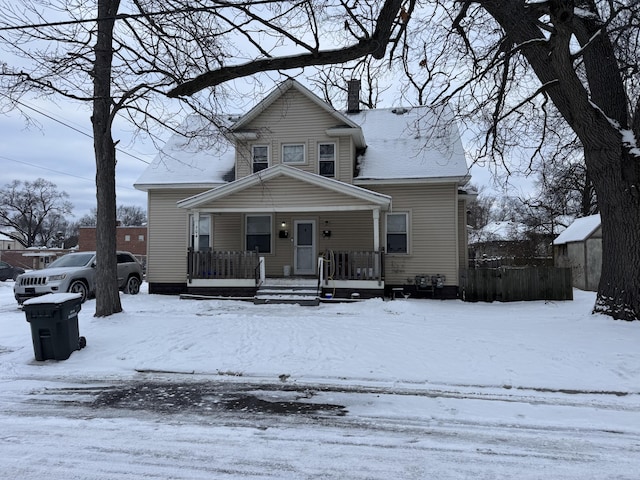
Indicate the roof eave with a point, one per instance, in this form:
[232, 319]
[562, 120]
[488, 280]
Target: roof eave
[354, 132]
[145, 187]
[459, 180]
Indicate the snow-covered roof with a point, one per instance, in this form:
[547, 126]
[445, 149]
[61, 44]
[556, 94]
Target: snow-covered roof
[203, 158]
[579, 230]
[409, 143]
[401, 143]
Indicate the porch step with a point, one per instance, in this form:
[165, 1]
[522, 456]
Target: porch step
[287, 294]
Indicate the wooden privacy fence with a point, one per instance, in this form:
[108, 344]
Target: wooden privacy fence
[516, 284]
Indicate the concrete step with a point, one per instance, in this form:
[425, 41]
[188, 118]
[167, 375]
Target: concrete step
[287, 294]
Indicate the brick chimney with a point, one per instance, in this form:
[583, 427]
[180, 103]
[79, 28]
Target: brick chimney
[353, 96]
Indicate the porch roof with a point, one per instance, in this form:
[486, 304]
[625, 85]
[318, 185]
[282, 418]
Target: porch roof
[365, 199]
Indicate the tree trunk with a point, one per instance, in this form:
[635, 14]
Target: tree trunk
[107, 294]
[619, 203]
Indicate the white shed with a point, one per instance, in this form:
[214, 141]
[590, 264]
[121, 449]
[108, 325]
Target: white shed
[580, 248]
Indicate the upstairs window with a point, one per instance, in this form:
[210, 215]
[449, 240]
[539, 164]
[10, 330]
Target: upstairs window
[327, 159]
[293, 153]
[397, 233]
[258, 234]
[259, 157]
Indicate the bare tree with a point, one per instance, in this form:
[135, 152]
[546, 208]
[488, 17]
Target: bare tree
[127, 216]
[566, 190]
[516, 65]
[109, 61]
[480, 211]
[33, 212]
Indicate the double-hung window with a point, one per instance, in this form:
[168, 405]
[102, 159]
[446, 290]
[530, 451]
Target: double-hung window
[259, 157]
[397, 233]
[293, 153]
[258, 233]
[203, 230]
[327, 159]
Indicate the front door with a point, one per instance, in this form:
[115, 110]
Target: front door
[304, 243]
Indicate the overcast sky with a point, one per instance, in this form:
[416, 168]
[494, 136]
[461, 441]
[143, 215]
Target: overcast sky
[64, 155]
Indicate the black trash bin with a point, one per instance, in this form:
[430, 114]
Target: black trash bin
[54, 325]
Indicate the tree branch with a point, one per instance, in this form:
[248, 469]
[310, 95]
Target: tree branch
[375, 45]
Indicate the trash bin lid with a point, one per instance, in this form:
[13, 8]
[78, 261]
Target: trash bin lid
[53, 298]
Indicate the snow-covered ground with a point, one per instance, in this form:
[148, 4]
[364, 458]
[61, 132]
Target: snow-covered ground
[422, 389]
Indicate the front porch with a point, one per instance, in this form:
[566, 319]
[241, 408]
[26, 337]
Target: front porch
[341, 275]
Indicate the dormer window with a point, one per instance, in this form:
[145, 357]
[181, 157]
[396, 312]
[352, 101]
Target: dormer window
[260, 157]
[327, 159]
[293, 153]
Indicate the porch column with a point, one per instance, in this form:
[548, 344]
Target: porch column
[376, 229]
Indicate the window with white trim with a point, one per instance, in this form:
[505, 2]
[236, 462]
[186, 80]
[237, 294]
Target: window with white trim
[258, 233]
[397, 233]
[204, 232]
[293, 153]
[259, 157]
[327, 159]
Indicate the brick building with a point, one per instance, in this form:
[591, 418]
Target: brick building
[130, 239]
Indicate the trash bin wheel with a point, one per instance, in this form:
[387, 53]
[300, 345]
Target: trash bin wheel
[82, 342]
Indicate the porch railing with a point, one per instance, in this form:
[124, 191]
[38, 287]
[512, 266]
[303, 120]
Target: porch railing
[223, 265]
[352, 265]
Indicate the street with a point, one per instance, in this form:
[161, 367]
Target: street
[166, 426]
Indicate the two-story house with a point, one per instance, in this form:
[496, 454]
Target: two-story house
[365, 201]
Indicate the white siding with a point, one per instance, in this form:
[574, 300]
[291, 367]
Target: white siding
[433, 238]
[167, 237]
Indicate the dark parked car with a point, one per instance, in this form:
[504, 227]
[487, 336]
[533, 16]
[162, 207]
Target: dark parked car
[9, 271]
[76, 273]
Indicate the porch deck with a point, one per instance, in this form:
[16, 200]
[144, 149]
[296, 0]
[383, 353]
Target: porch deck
[341, 274]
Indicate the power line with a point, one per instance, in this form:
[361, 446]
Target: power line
[56, 171]
[45, 168]
[75, 129]
[133, 16]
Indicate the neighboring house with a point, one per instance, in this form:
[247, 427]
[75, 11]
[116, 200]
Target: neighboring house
[580, 248]
[8, 243]
[504, 243]
[365, 201]
[497, 240]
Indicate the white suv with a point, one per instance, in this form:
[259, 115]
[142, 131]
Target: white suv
[76, 273]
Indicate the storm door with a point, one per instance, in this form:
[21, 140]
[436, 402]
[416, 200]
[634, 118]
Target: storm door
[304, 247]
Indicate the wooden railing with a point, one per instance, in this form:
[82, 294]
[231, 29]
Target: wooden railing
[223, 265]
[353, 265]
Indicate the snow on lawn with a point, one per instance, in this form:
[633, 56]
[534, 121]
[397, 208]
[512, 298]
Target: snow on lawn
[432, 389]
[410, 342]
